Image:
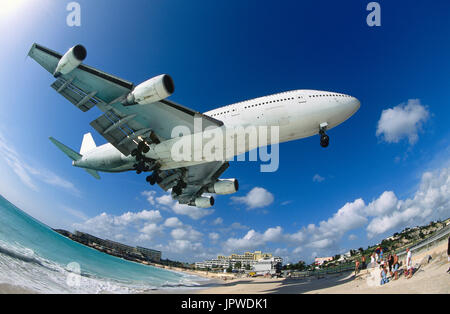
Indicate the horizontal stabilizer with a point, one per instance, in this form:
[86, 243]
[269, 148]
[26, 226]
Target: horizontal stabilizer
[93, 173]
[66, 150]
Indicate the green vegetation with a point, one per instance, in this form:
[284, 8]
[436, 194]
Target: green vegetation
[300, 266]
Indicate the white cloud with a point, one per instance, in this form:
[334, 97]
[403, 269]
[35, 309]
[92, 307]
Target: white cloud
[328, 233]
[430, 202]
[30, 174]
[173, 222]
[150, 195]
[386, 203]
[402, 121]
[184, 246]
[238, 225]
[256, 198]
[76, 213]
[217, 221]
[253, 239]
[214, 236]
[318, 178]
[106, 225]
[186, 233]
[181, 209]
[130, 217]
[273, 234]
[165, 199]
[150, 230]
[191, 211]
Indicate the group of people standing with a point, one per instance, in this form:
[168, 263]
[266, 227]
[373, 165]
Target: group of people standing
[389, 265]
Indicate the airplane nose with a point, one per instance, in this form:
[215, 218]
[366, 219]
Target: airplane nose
[355, 104]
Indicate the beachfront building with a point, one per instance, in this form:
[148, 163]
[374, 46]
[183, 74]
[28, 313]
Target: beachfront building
[267, 266]
[149, 254]
[116, 248]
[213, 264]
[247, 261]
[320, 260]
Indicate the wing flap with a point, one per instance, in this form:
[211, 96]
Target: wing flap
[117, 131]
[83, 100]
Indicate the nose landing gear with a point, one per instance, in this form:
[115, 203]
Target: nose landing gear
[324, 138]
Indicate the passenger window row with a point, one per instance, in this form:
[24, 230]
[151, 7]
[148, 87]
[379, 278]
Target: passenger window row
[278, 100]
[329, 95]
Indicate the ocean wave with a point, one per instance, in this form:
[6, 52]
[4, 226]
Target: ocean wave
[21, 266]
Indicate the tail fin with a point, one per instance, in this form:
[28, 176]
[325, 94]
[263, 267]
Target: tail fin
[76, 156]
[87, 144]
[66, 150]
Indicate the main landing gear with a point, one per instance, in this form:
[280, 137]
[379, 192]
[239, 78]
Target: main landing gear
[153, 178]
[143, 164]
[324, 138]
[178, 189]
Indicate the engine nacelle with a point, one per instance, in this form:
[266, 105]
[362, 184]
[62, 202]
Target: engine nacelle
[70, 60]
[203, 202]
[224, 186]
[151, 91]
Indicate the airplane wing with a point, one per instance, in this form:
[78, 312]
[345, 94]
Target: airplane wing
[86, 87]
[196, 179]
[125, 126]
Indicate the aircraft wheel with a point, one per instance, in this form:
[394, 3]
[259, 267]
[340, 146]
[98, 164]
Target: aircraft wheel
[177, 190]
[151, 179]
[324, 140]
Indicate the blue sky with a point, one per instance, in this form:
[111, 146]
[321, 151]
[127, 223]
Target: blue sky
[220, 52]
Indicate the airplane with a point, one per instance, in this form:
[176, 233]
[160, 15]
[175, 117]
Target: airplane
[138, 123]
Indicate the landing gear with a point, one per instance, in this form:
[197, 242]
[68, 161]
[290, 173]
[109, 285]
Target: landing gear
[324, 138]
[143, 163]
[153, 178]
[178, 189]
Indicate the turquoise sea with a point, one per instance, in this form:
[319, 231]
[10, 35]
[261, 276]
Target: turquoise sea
[35, 257]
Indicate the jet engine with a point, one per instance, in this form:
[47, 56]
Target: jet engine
[70, 60]
[224, 186]
[203, 202]
[151, 91]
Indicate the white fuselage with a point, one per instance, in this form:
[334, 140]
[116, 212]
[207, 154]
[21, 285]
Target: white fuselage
[298, 114]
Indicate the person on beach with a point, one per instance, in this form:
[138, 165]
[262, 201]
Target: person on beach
[409, 267]
[363, 262]
[390, 263]
[356, 267]
[372, 260]
[383, 273]
[448, 254]
[395, 266]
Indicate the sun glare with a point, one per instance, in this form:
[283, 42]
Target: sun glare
[9, 8]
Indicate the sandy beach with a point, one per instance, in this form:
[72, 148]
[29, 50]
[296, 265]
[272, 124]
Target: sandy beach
[10, 289]
[430, 278]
